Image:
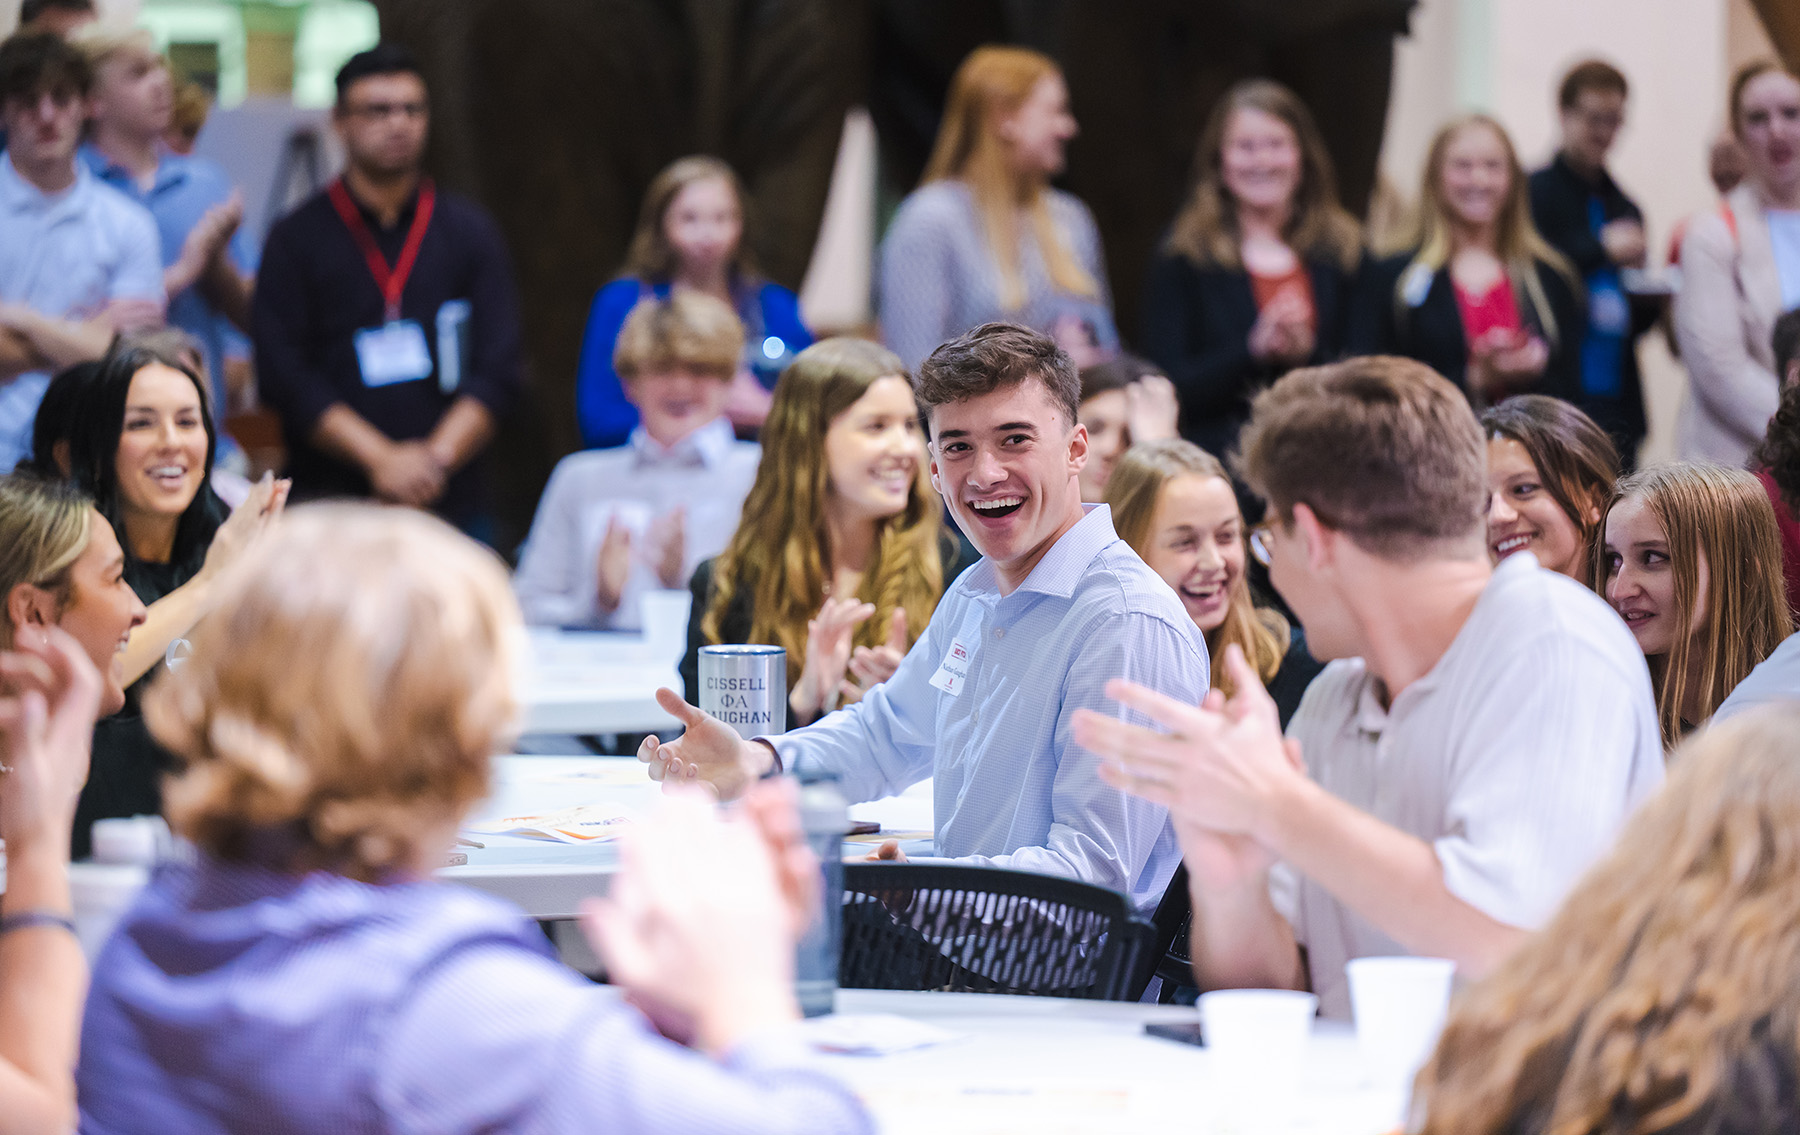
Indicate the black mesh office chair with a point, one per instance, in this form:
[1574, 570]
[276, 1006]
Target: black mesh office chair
[926, 926]
[1169, 955]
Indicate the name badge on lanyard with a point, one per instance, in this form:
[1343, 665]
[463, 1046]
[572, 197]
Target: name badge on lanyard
[396, 351]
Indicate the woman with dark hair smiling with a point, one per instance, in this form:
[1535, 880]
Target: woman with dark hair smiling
[141, 446]
[1551, 471]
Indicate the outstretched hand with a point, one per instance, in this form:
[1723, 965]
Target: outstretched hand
[49, 700]
[709, 751]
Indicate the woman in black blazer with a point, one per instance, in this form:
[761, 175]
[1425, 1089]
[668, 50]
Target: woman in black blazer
[1479, 296]
[1255, 276]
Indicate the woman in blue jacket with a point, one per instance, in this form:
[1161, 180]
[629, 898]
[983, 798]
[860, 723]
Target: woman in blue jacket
[689, 235]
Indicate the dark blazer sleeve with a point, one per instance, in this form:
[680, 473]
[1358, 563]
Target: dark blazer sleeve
[1369, 324]
[1298, 669]
[1198, 331]
[700, 587]
[497, 375]
[1334, 294]
[1560, 212]
[1568, 304]
[283, 326]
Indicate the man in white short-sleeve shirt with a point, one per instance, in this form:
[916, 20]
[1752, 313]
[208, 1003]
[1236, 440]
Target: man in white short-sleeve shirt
[1482, 735]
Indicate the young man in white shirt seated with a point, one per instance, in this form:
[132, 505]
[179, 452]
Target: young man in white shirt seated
[1021, 642]
[615, 523]
[1483, 734]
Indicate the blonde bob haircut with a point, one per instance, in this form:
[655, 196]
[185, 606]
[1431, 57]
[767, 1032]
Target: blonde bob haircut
[344, 696]
[1719, 523]
[777, 556]
[687, 330]
[1206, 230]
[1133, 491]
[991, 84]
[651, 256]
[1520, 246]
[44, 528]
[1670, 964]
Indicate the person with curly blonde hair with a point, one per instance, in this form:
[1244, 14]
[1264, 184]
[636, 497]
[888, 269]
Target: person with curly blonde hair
[1664, 997]
[305, 971]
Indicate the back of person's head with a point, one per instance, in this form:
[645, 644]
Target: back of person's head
[687, 331]
[1725, 559]
[1383, 449]
[1577, 459]
[44, 527]
[40, 63]
[651, 256]
[998, 356]
[1779, 451]
[385, 58]
[1517, 240]
[1784, 341]
[192, 106]
[344, 694]
[32, 11]
[777, 552]
[1673, 958]
[55, 420]
[1115, 373]
[98, 424]
[1590, 75]
[992, 83]
[1206, 230]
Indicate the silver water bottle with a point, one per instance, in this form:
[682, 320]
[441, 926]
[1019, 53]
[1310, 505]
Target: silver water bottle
[745, 686]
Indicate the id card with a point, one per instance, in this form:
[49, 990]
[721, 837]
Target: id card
[953, 673]
[394, 352]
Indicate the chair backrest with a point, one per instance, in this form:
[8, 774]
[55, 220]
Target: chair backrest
[1169, 956]
[930, 926]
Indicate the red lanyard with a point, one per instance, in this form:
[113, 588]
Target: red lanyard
[392, 282]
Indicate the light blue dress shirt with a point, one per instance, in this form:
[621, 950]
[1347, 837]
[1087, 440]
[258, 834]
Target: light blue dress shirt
[1784, 238]
[182, 191]
[66, 255]
[1012, 788]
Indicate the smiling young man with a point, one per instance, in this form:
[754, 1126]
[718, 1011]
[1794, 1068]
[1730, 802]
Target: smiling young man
[1481, 735]
[983, 701]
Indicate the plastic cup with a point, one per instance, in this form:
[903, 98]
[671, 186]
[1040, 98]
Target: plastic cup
[665, 620]
[1257, 1040]
[1399, 1005]
[101, 893]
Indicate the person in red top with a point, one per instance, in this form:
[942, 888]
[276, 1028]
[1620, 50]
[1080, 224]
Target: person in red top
[1481, 297]
[1777, 459]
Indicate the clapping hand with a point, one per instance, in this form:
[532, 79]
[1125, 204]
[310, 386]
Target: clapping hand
[613, 567]
[1152, 409]
[247, 522]
[49, 699]
[666, 542]
[872, 665]
[828, 649]
[1505, 360]
[1283, 330]
[691, 879]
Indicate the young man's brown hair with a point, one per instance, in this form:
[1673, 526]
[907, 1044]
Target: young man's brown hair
[1590, 75]
[690, 330]
[1383, 449]
[992, 357]
[39, 63]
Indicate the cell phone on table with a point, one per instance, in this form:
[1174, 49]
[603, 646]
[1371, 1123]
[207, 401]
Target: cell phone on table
[1186, 1032]
[863, 827]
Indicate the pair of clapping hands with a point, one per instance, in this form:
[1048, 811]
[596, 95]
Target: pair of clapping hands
[1221, 768]
[691, 878]
[49, 700]
[665, 549]
[830, 655]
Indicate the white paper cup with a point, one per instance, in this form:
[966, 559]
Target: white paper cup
[101, 893]
[1257, 1041]
[1399, 1005]
[665, 620]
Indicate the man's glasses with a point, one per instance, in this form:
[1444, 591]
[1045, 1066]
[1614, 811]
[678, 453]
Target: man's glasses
[1260, 538]
[377, 111]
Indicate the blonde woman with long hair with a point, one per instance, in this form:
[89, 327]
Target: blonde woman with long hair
[841, 555]
[984, 237]
[1478, 294]
[1256, 274]
[1664, 997]
[692, 235]
[1691, 560]
[1174, 504]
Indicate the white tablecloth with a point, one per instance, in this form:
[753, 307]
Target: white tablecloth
[592, 682]
[1046, 1066]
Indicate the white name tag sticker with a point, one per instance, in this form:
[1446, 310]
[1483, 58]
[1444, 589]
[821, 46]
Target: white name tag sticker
[953, 673]
[394, 352]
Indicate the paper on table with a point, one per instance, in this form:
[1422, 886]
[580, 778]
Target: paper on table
[583, 823]
[872, 1034]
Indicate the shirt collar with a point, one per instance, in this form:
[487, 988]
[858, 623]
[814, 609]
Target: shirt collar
[1063, 565]
[171, 170]
[21, 196]
[707, 447]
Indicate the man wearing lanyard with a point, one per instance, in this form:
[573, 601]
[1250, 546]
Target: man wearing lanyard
[1584, 214]
[385, 321]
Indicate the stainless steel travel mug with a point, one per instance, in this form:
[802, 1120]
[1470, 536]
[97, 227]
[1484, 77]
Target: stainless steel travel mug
[745, 686]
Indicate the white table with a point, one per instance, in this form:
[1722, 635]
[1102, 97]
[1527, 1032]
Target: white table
[550, 880]
[595, 682]
[1046, 1066]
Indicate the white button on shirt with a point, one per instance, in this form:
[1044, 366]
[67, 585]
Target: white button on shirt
[1012, 788]
[1517, 757]
[66, 255]
[708, 474]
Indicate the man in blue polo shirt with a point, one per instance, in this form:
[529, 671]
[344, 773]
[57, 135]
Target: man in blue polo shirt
[79, 261]
[1030, 634]
[196, 211]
